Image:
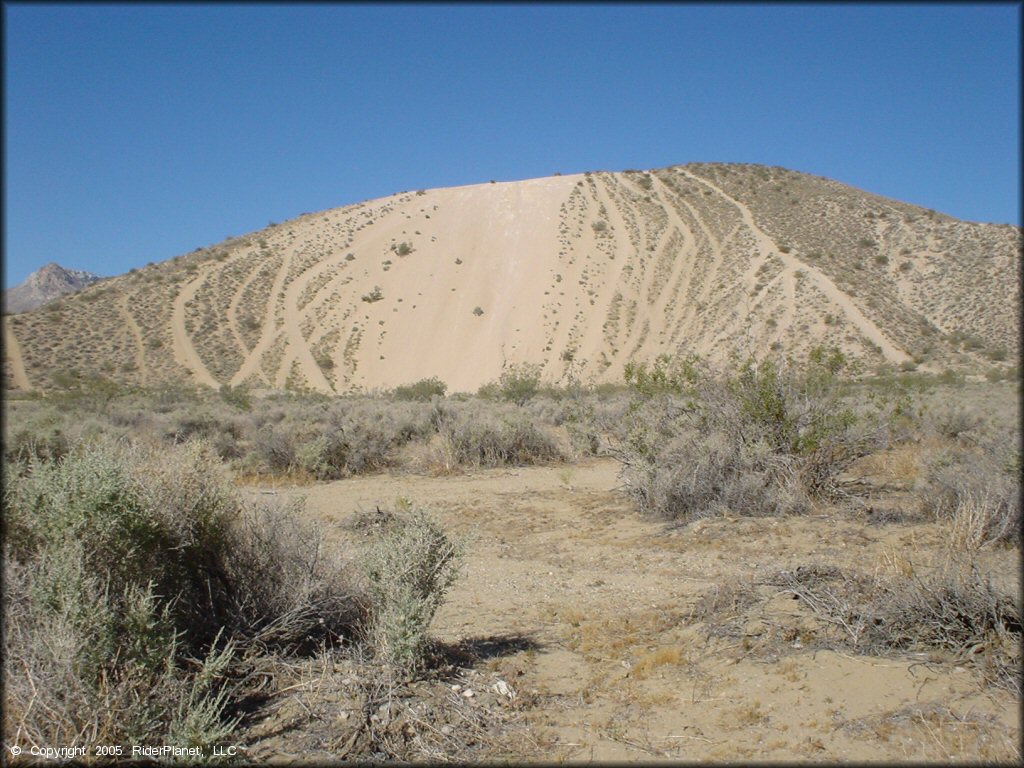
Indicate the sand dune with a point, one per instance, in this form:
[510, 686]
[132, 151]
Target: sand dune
[577, 274]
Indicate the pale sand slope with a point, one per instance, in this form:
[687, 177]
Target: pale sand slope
[506, 238]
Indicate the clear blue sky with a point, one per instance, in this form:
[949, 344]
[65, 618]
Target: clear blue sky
[134, 134]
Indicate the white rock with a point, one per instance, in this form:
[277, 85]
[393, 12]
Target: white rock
[468, 693]
[504, 689]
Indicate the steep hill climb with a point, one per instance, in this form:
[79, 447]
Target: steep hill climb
[578, 274]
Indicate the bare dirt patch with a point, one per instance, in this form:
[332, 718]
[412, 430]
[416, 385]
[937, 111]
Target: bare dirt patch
[625, 639]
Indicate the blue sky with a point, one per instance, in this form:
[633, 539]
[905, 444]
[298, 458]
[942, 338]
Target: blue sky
[134, 134]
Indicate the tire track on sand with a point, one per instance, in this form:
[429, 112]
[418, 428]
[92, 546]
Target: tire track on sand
[270, 330]
[140, 356]
[298, 348]
[12, 351]
[184, 352]
[766, 245]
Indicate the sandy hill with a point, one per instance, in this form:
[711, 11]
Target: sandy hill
[47, 283]
[579, 274]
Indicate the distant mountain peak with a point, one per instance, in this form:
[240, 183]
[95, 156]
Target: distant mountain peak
[49, 282]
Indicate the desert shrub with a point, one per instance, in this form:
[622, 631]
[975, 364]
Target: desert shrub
[237, 397]
[296, 593]
[548, 407]
[951, 421]
[87, 660]
[41, 436]
[666, 375]
[597, 419]
[759, 440]
[953, 608]
[131, 417]
[477, 437]
[274, 448]
[408, 569]
[424, 389]
[338, 439]
[977, 490]
[697, 474]
[135, 579]
[517, 384]
[105, 581]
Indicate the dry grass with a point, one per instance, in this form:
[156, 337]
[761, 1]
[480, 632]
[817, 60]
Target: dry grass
[953, 609]
[941, 734]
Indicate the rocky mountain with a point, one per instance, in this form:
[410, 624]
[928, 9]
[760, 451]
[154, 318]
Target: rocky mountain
[578, 274]
[47, 283]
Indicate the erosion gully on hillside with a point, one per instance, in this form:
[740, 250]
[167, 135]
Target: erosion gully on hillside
[599, 635]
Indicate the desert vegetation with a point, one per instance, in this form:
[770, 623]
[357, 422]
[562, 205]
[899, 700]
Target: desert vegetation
[165, 580]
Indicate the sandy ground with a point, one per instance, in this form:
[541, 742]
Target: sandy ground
[594, 606]
[12, 352]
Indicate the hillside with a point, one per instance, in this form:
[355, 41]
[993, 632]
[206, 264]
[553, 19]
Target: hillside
[579, 274]
[47, 283]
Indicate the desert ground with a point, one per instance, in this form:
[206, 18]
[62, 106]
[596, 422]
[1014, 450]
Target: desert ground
[629, 639]
[589, 610]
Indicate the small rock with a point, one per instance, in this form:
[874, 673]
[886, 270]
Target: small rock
[504, 689]
[468, 693]
[456, 688]
[447, 730]
[754, 628]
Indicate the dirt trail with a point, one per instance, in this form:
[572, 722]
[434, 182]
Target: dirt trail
[595, 608]
[683, 262]
[12, 351]
[140, 350]
[232, 311]
[269, 331]
[614, 280]
[767, 246]
[298, 349]
[184, 352]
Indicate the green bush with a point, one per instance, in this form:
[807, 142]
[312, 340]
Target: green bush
[517, 383]
[667, 375]
[761, 439]
[409, 569]
[133, 576]
[424, 389]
